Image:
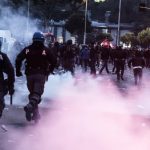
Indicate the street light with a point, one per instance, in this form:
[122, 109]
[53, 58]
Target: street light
[85, 25]
[84, 38]
[28, 15]
[98, 1]
[118, 32]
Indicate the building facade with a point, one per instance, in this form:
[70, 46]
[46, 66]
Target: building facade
[62, 35]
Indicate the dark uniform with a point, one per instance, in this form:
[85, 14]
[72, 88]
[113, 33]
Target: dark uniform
[93, 58]
[120, 62]
[147, 58]
[138, 64]
[69, 57]
[114, 59]
[5, 67]
[39, 62]
[105, 53]
[84, 56]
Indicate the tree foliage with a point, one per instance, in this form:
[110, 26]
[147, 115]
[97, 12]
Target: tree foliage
[130, 38]
[76, 23]
[46, 10]
[129, 12]
[144, 37]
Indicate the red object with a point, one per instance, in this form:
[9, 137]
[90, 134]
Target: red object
[105, 43]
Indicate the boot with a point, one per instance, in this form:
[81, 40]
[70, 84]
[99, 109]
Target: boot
[29, 111]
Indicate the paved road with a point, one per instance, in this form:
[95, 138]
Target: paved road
[14, 117]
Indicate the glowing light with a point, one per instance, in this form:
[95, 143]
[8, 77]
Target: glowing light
[98, 1]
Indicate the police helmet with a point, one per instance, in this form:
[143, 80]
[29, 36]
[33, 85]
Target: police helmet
[69, 42]
[38, 36]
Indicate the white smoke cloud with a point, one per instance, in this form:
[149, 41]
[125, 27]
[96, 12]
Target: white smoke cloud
[20, 25]
[16, 28]
[88, 114]
[17, 24]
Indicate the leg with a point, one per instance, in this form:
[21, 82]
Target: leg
[135, 76]
[103, 66]
[38, 82]
[106, 65]
[140, 76]
[122, 72]
[118, 72]
[114, 67]
[93, 69]
[2, 104]
[29, 108]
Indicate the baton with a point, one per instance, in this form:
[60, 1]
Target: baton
[11, 99]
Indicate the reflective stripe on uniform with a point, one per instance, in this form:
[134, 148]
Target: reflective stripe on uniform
[137, 67]
[27, 51]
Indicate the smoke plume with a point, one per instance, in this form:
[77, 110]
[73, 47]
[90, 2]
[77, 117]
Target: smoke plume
[90, 114]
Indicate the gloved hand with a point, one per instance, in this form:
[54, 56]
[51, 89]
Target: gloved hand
[11, 91]
[18, 73]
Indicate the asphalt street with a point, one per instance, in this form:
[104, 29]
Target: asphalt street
[14, 117]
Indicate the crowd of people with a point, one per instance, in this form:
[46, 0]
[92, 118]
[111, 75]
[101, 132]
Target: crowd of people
[95, 57]
[41, 61]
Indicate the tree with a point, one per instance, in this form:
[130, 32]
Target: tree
[47, 10]
[144, 38]
[75, 24]
[130, 38]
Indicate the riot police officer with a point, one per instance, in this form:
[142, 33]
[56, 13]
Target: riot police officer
[93, 57]
[138, 63]
[120, 62]
[39, 60]
[5, 67]
[69, 57]
[105, 54]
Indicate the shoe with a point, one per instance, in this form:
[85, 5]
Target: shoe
[28, 113]
[122, 78]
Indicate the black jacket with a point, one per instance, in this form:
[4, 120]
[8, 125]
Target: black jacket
[38, 59]
[105, 53]
[136, 62]
[93, 53]
[6, 67]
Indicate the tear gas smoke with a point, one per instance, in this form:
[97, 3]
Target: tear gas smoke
[16, 22]
[17, 29]
[89, 114]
